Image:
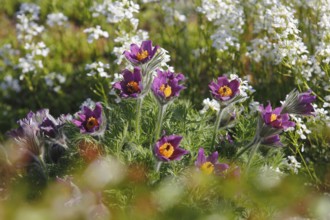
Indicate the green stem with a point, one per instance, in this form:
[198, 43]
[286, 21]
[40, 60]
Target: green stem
[305, 164]
[216, 127]
[138, 116]
[253, 152]
[161, 114]
[248, 146]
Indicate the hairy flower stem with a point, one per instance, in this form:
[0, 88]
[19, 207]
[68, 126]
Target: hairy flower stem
[254, 149]
[161, 114]
[248, 146]
[216, 126]
[138, 116]
[158, 165]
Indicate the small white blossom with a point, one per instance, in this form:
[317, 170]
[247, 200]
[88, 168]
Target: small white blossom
[116, 11]
[56, 19]
[95, 33]
[292, 164]
[10, 83]
[97, 68]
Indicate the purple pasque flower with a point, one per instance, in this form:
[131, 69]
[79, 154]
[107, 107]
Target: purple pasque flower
[223, 89]
[209, 164]
[131, 85]
[273, 140]
[90, 121]
[299, 103]
[166, 85]
[167, 148]
[139, 55]
[274, 118]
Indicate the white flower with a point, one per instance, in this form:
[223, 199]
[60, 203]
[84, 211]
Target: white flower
[29, 64]
[116, 11]
[300, 127]
[97, 68]
[210, 104]
[56, 19]
[95, 33]
[10, 83]
[292, 164]
[37, 49]
[228, 17]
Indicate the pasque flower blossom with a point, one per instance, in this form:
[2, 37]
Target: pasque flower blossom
[90, 121]
[167, 148]
[209, 164]
[166, 86]
[299, 103]
[275, 118]
[223, 89]
[140, 55]
[131, 86]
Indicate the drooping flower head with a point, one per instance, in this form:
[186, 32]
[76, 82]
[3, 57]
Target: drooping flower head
[299, 103]
[90, 121]
[140, 55]
[209, 164]
[274, 118]
[273, 140]
[167, 148]
[131, 85]
[223, 89]
[33, 128]
[166, 85]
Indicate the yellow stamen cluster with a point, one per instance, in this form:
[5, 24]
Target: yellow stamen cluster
[166, 150]
[225, 91]
[91, 123]
[207, 168]
[273, 117]
[133, 87]
[166, 89]
[142, 55]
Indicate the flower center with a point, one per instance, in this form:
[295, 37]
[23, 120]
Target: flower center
[142, 55]
[225, 91]
[207, 168]
[273, 117]
[133, 87]
[91, 123]
[166, 89]
[166, 150]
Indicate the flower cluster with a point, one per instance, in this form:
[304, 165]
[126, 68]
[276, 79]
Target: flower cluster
[95, 33]
[228, 17]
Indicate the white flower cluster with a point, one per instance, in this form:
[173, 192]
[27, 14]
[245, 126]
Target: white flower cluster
[56, 19]
[278, 33]
[26, 27]
[53, 80]
[31, 62]
[172, 15]
[323, 48]
[97, 68]
[10, 83]
[95, 33]
[292, 164]
[321, 114]
[300, 127]
[228, 17]
[6, 53]
[125, 40]
[210, 104]
[116, 11]
[269, 177]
